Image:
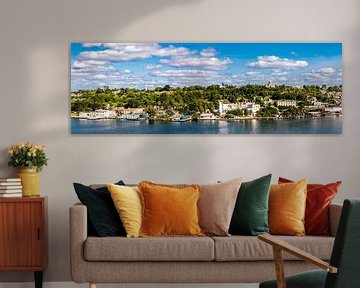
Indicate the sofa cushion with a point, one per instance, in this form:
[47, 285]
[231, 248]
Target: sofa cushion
[149, 249]
[287, 204]
[244, 248]
[169, 210]
[127, 201]
[102, 216]
[318, 200]
[250, 215]
[216, 206]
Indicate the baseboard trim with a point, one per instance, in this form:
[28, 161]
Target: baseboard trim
[74, 285]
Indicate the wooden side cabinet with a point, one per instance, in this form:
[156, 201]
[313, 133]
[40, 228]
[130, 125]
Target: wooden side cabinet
[23, 235]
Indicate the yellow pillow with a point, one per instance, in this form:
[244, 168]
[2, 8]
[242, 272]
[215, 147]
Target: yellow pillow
[169, 210]
[287, 204]
[127, 201]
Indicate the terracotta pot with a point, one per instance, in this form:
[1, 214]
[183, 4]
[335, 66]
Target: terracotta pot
[30, 181]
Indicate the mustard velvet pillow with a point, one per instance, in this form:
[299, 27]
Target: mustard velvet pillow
[287, 204]
[169, 210]
[127, 201]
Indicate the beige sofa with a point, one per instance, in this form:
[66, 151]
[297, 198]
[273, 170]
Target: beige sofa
[234, 259]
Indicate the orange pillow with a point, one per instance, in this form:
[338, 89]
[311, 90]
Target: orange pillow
[287, 203]
[169, 210]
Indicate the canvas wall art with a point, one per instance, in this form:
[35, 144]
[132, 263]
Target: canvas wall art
[206, 88]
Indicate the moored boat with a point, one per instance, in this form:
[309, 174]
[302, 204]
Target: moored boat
[182, 118]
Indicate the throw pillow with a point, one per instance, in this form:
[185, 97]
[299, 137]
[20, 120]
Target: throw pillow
[216, 206]
[102, 215]
[250, 215]
[169, 210]
[127, 201]
[319, 197]
[287, 204]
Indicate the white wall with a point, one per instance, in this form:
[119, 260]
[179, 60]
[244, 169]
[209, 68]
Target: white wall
[34, 90]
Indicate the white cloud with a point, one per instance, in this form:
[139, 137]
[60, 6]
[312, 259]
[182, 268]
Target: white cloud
[253, 76]
[278, 72]
[87, 64]
[87, 45]
[282, 79]
[252, 73]
[320, 74]
[205, 62]
[118, 52]
[277, 62]
[153, 66]
[99, 76]
[185, 73]
[80, 68]
[326, 70]
[208, 52]
[127, 71]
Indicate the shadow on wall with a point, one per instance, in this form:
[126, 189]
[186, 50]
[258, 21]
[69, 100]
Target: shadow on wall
[37, 70]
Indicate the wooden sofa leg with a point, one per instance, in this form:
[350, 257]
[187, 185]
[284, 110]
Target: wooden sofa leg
[92, 285]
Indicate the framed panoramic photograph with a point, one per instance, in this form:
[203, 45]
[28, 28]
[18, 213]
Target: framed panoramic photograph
[206, 88]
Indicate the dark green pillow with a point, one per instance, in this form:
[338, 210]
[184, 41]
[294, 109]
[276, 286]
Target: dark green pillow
[250, 216]
[103, 218]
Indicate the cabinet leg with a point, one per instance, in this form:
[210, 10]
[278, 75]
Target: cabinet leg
[38, 279]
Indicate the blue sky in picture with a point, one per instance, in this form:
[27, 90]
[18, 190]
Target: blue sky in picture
[150, 65]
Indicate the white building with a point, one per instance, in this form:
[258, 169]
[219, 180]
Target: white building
[286, 103]
[207, 116]
[126, 111]
[251, 106]
[85, 114]
[225, 107]
[334, 110]
[101, 113]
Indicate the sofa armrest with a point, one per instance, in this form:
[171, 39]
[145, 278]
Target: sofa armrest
[334, 216]
[78, 235]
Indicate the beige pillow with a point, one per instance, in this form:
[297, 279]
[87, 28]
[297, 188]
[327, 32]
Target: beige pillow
[216, 206]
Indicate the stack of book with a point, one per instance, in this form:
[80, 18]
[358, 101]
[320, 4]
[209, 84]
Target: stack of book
[10, 187]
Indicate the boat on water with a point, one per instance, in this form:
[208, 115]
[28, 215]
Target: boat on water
[182, 118]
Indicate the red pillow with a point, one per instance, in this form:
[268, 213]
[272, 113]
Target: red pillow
[319, 197]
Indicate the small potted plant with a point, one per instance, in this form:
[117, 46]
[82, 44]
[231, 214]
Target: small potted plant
[30, 158]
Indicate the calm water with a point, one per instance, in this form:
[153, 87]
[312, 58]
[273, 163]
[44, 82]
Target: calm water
[321, 125]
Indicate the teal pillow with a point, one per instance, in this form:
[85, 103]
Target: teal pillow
[250, 216]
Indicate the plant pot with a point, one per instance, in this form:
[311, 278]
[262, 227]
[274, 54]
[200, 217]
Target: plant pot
[30, 181]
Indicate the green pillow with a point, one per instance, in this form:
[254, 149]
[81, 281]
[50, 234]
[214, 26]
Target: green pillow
[250, 216]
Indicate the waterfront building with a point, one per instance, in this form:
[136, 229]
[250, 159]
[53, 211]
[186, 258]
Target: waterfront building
[126, 111]
[85, 114]
[225, 107]
[161, 113]
[286, 103]
[102, 113]
[337, 110]
[207, 116]
[251, 106]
